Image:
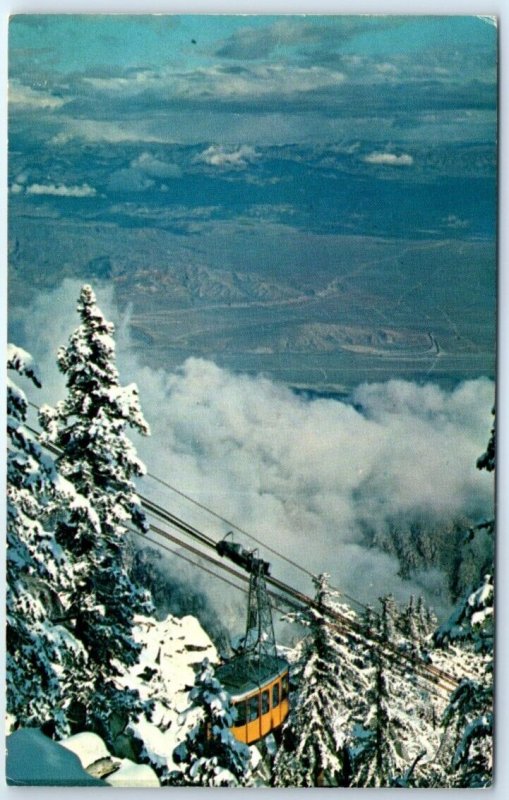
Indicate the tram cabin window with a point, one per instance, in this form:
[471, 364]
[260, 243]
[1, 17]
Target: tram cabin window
[275, 695]
[265, 702]
[241, 713]
[284, 687]
[252, 708]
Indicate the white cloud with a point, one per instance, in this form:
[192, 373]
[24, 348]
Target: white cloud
[154, 167]
[391, 159]
[229, 158]
[307, 477]
[386, 68]
[28, 98]
[258, 81]
[92, 130]
[60, 190]
[141, 174]
[137, 81]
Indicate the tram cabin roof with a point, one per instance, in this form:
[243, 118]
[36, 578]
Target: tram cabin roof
[242, 675]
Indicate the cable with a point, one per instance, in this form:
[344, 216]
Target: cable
[341, 622]
[340, 629]
[345, 631]
[156, 510]
[200, 566]
[218, 564]
[230, 524]
[249, 535]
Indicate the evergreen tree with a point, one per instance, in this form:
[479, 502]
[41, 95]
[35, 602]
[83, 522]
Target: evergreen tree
[426, 619]
[417, 624]
[468, 719]
[314, 747]
[43, 657]
[89, 426]
[389, 619]
[394, 734]
[210, 755]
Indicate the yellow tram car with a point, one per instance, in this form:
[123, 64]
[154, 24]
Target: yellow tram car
[256, 678]
[260, 695]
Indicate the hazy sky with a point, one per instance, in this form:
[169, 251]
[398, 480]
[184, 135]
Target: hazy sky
[377, 78]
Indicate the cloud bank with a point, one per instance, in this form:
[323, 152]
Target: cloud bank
[398, 78]
[309, 477]
[24, 97]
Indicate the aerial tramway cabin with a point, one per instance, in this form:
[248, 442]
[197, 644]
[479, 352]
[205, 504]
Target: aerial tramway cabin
[260, 696]
[256, 678]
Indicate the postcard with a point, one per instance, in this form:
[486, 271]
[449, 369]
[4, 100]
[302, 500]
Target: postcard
[252, 282]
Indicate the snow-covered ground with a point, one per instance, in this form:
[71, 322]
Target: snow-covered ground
[171, 648]
[35, 760]
[165, 673]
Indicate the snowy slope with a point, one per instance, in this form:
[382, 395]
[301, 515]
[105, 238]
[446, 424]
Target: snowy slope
[164, 674]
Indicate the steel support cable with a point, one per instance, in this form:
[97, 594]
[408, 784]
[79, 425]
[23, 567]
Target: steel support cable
[434, 673]
[392, 661]
[219, 565]
[218, 516]
[241, 530]
[391, 657]
[231, 524]
[156, 510]
[431, 673]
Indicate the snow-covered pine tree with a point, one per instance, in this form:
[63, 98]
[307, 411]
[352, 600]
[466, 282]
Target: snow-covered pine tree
[417, 623]
[97, 457]
[426, 619]
[389, 619]
[43, 657]
[314, 743]
[468, 719]
[210, 755]
[409, 623]
[394, 733]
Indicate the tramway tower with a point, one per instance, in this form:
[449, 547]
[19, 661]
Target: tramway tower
[255, 677]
